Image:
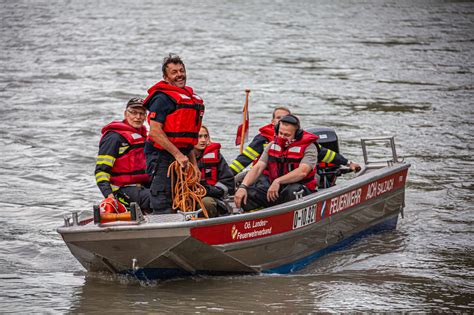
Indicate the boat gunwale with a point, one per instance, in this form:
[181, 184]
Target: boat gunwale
[305, 229]
[270, 211]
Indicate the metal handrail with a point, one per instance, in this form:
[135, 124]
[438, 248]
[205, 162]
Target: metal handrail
[380, 139]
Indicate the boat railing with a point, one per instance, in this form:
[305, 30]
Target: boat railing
[381, 162]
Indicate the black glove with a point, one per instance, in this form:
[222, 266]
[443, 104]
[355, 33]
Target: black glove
[123, 198]
[213, 191]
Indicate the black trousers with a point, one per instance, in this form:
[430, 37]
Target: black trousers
[157, 165]
[140, 195]
[257, 193]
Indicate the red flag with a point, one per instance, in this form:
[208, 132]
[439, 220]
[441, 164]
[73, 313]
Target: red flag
[245, 125]
[243, 130]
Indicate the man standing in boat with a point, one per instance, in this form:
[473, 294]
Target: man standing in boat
[175, 116]
[287, 165]
[120, 170]
[253, 151]
[216, 176]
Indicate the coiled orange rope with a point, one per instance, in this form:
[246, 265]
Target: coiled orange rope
[187, 191]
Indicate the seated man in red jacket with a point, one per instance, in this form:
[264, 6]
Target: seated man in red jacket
[216, 176]
[287, 165]
[120, 170]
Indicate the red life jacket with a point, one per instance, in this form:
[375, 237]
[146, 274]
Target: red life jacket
[268, 131]
[281, 161]
[130, 167]
[181, 126]
[209, 163]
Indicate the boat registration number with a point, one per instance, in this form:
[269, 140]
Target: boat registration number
[304, 217]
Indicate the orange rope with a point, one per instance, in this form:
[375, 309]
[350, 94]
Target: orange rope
[187, 191]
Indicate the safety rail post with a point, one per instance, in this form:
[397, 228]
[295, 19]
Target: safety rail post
[75, 218]
[394, 151]
[298, 194]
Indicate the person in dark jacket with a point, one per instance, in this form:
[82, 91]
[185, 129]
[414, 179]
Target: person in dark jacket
[253, 151]
[120, 170]
[216, 176]
[175, 116]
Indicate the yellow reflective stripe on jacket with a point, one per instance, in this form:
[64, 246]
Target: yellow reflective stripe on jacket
[108, 160]
[122, 149]
[330, 155]
[114, 188]
[251, 153]
[102, 176]
[232, 166]
[236, 166]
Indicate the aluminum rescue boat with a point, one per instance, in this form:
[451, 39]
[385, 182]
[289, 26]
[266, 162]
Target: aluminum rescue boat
[279, 239]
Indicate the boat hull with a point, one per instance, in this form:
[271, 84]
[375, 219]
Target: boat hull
[280, 239]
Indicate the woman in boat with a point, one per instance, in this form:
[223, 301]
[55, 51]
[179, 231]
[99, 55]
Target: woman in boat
[216, 176]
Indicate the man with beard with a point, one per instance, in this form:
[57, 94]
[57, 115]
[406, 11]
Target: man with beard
[175, 116]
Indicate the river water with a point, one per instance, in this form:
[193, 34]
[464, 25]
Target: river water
[366, 68]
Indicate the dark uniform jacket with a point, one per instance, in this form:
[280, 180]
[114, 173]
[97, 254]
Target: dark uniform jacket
[253, 151]
[225, 179]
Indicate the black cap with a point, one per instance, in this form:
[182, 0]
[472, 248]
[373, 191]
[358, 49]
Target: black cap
[135, 102]
[291, 119]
